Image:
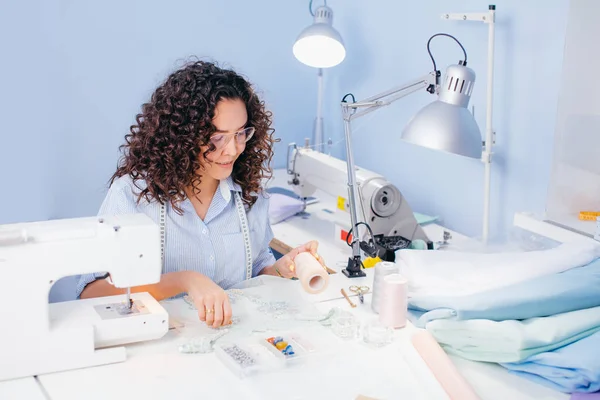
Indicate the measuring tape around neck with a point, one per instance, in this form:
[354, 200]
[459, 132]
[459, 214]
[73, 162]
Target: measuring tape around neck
[239, 205]
[245, 232]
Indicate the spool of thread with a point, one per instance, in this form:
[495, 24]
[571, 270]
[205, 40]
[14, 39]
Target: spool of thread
[311, 274]
[382, 269]
[394, 303]
[418, 244]
[442, 367]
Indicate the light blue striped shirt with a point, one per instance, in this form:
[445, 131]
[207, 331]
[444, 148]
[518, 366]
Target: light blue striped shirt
[213, 246]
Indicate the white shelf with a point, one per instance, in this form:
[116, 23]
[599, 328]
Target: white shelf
[572, 221]
[553, 230]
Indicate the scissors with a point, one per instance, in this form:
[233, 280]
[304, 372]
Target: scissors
[360, 291]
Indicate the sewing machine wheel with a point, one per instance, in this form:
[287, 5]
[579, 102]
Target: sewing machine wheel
[386, 201]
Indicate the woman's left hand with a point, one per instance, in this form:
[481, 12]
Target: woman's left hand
[285, 266]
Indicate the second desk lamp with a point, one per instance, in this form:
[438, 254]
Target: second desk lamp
[320, 46]
[446, 124]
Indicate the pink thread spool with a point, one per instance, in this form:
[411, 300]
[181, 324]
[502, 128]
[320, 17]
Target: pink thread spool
[394, 303]
[382, 269]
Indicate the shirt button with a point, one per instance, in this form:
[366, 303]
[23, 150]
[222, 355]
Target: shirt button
[212, 258]
[204, 231]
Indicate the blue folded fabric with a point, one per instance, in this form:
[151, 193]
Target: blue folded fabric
[575, 289]
[572, 368]
[585, 396]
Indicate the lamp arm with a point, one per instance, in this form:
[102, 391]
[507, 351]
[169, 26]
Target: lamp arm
[349, 113]
[386, 98]
[353, 268]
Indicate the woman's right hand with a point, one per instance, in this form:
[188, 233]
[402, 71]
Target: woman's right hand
[210, 299]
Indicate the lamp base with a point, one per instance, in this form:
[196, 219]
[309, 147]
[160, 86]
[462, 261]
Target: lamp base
[354, 270]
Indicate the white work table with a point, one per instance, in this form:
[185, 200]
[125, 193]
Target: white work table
[157, 370]
[24, 388]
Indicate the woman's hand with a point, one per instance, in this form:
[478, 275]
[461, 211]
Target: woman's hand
[210, 299]
[285, 266]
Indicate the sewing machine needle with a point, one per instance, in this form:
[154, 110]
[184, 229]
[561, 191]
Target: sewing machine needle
[129, 302]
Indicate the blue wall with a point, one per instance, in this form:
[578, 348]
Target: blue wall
[386, 43]
[74, 74]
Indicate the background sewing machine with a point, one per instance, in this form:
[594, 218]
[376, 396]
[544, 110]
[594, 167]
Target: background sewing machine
[382, 207]
[38, 337]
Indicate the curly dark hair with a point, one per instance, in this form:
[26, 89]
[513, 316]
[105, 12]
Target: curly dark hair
[163, 147]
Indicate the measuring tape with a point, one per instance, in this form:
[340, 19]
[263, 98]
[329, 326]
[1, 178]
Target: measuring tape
[243, 224]
[239, 205]
[589, 215]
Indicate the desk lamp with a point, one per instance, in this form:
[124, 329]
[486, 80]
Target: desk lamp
[320, 46]
[446, 124]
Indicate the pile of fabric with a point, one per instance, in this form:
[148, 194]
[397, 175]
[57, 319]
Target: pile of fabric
[536, 313]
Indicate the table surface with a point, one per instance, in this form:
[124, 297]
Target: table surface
[157, 370]
[24, 388]
[489, 380]
[339, 369]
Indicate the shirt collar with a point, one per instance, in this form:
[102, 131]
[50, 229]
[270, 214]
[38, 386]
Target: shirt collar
[226, 186]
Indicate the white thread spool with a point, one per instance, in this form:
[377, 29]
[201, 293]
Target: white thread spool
[394, 301]
[382, 269]
[311, 274]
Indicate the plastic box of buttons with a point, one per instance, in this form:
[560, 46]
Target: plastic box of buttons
[288, 348]
[264, 354]
[241, 359]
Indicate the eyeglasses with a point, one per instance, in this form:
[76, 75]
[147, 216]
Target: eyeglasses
[241, 137]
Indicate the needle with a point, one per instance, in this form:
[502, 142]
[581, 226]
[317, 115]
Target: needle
[129, 301]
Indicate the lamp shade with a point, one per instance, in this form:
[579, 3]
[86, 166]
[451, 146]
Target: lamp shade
[447, 124]
[320, 45]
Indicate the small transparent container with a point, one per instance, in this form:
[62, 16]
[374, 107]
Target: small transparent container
[288, 348]
[242, 360]
[265, 354]
[376, 334]
[345, 325]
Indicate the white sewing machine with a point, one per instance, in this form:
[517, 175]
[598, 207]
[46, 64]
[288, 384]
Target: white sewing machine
[38, 337]
[380, 203]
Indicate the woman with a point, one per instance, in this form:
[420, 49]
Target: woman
[194, 162]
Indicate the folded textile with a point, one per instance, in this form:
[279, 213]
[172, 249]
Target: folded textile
[423, 219]
[452, 273]
[585, 396]
[513, 341]
[573, 368]
[574, 289]
[282, 207]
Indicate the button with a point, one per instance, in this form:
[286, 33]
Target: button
[204, 231]
[212, 258]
